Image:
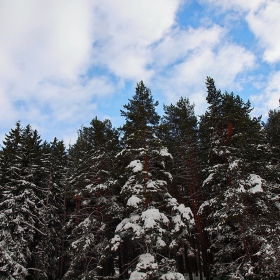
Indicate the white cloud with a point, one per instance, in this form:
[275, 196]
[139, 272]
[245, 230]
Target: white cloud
[125, 32]
[265, 24]
[263, 18]
[238, 5]
[48, 46]
[73, 100]
[49, 36]
[178, 44]
[40, 41]
[270, 97]
[199, 53]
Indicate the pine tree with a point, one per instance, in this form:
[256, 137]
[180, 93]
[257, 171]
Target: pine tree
[180, 129]
[20, 205]
[92, 185]
[48, 252]
[238, 201]
[154, 224]
[272, 128]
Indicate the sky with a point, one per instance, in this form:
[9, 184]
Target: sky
[62, 63]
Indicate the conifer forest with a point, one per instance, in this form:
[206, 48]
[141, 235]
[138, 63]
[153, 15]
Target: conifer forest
[169, 197]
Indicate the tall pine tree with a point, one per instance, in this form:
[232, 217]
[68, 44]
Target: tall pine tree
[240, 212]
[180, 132]
[92, 189]
[20, 205]
[154, 223]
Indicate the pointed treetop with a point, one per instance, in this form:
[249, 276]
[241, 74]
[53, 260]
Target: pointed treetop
[214, 95]
[140, 113]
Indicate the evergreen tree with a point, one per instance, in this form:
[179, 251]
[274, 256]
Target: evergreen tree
[272, 128]
[49, 251]
[155, 225]
[92, 185]
[180, 132]
[20, 205]
[240, 210]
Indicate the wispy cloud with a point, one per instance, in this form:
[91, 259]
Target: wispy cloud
[199, 53]
[270, 95]
[265, 24]
[263, 20]
[124, 33]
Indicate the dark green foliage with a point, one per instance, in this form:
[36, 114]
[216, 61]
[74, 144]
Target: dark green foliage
[54, 171]
[180, 132]
[272, 132]
[141, 117]
[92, 192]
[239, 205]
[20, 205]
[272, 128]
[145, 227]
[109, 207]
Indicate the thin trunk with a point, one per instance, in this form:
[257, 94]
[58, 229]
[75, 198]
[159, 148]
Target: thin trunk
[195, 257]
[62, 260]
[199, 263]
[146, 164]
[245, 243]
[195, 206]
[229, 131]
[98, 195]
[180, 261]
[187, 262]
[78, 206]
[121, 263]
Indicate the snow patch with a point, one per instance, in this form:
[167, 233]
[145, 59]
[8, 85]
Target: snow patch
[241, 189]
[234, 164]
[169, 176]
[146, 267]
[160, 243]
[136, 275]
[186, 212]
[151, 216]
[208, 179]
[153, 185]
[133, 201]
[146, 261]
[172, 202]
[256, 182]
[164, 153]
[136, 166]
[115, 242]
[172, 276]
[129, 223]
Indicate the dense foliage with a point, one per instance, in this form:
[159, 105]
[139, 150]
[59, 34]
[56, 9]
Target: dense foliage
[158, 198]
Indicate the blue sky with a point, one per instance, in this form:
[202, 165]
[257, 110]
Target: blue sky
[64, 62]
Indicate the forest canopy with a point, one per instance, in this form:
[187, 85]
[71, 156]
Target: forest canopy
[161, 197]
